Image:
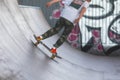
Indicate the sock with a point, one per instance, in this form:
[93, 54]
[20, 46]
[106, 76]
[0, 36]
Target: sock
[41, 37]
[54, 48]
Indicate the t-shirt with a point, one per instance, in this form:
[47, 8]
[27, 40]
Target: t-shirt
[71, 10]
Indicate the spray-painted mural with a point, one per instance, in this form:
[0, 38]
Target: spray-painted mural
[99, 30]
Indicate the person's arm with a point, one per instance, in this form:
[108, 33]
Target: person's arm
[52, 2]
[81, 15]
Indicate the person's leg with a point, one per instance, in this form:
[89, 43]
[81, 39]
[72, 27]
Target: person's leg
[54, 30]
[68, 28]
[51, 32]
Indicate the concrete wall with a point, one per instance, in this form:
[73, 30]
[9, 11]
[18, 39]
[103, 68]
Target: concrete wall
[41, 3]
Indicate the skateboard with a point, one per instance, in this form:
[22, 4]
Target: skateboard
[40, 42]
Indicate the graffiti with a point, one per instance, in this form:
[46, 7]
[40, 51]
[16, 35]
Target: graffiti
[106, 8]
[99, 30]
[73, 37]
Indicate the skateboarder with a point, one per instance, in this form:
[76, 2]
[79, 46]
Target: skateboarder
[72, 12]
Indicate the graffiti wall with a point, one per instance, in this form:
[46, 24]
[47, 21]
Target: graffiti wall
[99, 30]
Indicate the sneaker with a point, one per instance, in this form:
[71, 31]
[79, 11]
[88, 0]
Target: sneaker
[38, 40]
[53, 50]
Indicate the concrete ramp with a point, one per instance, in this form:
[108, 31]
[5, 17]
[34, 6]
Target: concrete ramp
[20, 60]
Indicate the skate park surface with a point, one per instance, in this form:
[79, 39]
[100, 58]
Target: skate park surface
[21, 60]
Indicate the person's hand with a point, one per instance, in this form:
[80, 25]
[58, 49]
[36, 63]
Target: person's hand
[76, 21]
[48, 4]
